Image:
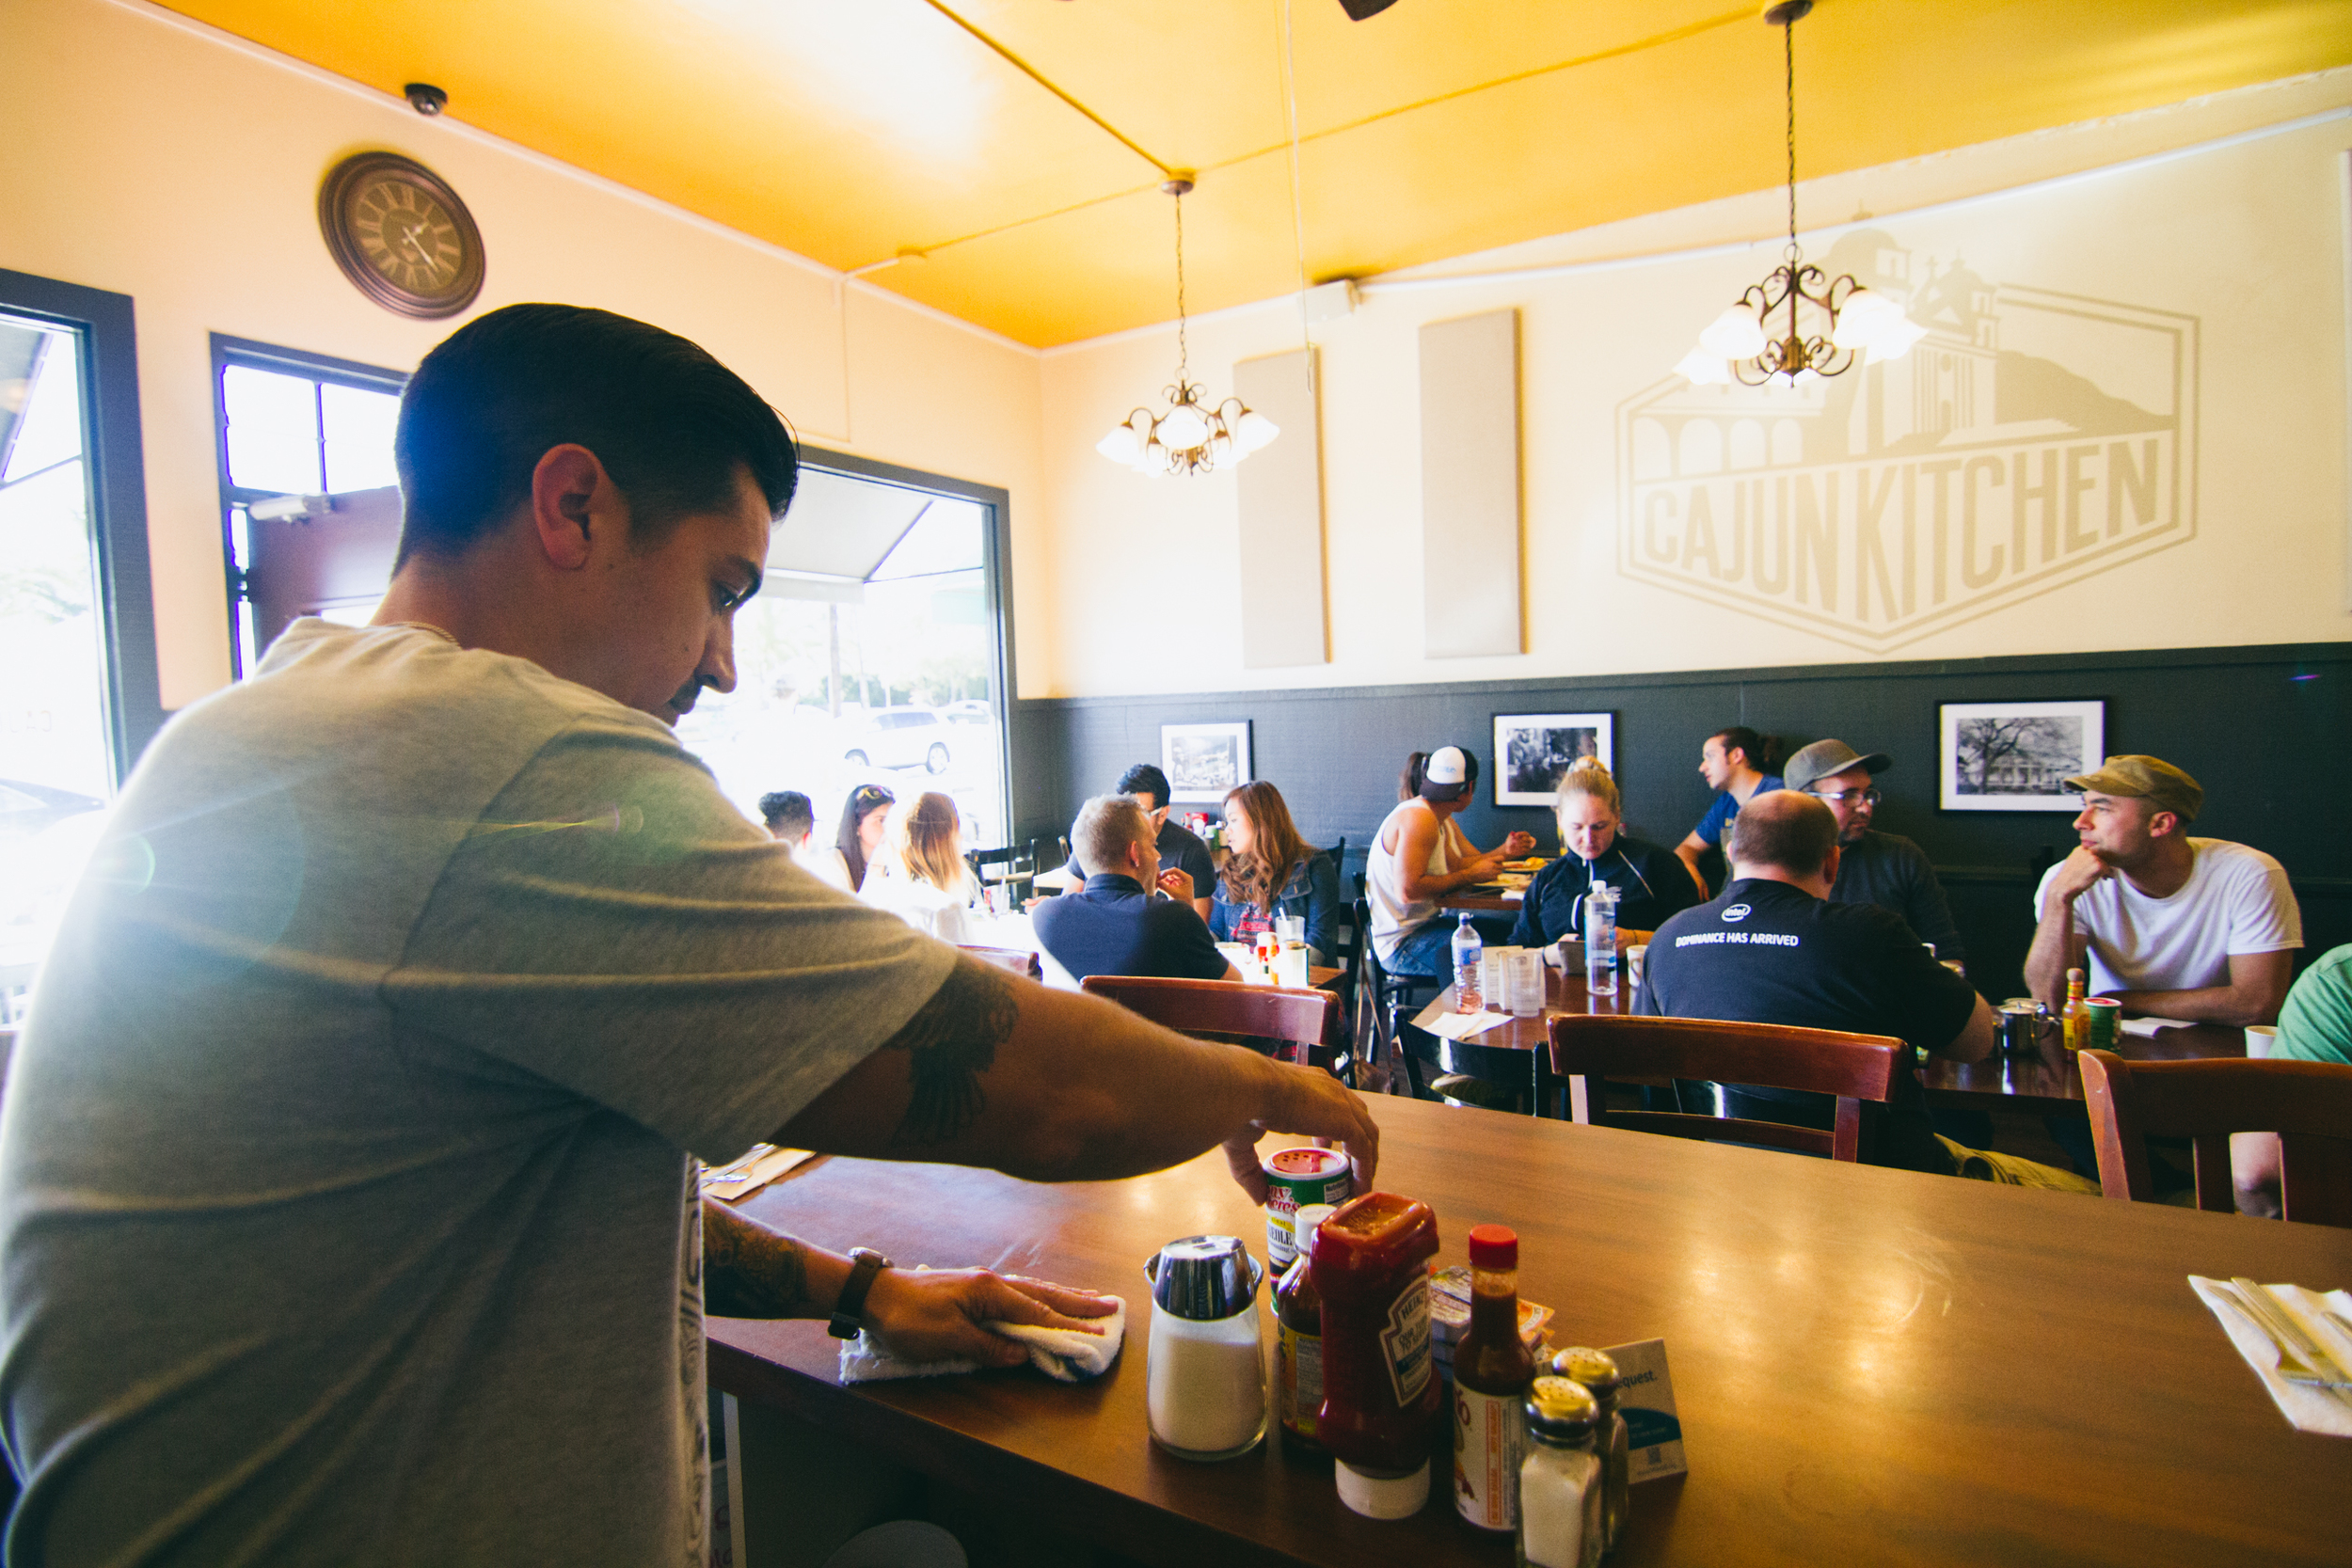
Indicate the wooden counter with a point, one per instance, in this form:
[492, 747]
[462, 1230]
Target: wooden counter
[1873, 1365]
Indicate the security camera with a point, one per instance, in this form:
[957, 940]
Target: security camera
[425, 98]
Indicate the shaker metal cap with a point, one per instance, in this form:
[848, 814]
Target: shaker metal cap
[1204, 1277]
[1596, 1370]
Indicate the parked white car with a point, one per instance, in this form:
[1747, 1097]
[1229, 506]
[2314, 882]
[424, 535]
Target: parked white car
[898, 738]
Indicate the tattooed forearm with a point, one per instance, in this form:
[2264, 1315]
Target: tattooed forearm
[949, 1043]
[750, 1271]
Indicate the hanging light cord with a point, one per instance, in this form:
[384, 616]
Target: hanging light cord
[1183, 355]
[1788, 51]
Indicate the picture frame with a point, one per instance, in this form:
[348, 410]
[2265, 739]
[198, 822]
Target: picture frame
[1532, 749]
[2015, 756]
[1204, 761]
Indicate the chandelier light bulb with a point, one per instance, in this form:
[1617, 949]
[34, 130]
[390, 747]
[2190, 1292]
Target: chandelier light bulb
[1121, 445]
[1702, 369]
[1183, 427]
[1734, 335]
[1255, 431]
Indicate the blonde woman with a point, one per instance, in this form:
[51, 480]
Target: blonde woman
[920, 875]
[1270, 870]
[1595, 849]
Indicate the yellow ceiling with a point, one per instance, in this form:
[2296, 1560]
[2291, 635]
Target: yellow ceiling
[850, 130]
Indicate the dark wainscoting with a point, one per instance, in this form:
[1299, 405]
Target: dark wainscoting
[2266, 729]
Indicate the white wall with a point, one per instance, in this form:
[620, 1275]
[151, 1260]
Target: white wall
[154, 157]
[2245, 238]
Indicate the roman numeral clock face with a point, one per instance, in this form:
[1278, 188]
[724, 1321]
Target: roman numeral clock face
[401, 235]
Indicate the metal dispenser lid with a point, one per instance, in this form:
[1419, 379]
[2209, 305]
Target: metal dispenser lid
[1596, 1370]
[1204, 1277]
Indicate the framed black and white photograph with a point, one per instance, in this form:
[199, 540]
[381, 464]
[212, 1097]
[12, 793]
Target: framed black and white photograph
[2017, 757]
[1532, 749]
[1204, 761]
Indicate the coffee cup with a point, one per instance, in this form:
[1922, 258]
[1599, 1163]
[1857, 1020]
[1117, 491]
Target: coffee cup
[2261, 1040]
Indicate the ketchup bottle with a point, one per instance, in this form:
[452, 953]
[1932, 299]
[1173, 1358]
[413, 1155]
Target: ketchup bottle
[1381, 1400]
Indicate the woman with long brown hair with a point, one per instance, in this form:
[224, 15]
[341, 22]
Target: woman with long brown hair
[1270, 870]
[920, 875]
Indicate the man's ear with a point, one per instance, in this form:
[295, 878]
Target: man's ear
[2162, 823]
[1829, 867]
[571, 497]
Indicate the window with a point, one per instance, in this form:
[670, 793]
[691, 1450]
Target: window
[297, 428]
[78, 689]
[876, 651]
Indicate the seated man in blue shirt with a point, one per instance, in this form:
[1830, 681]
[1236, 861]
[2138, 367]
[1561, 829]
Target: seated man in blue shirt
[1117, 923]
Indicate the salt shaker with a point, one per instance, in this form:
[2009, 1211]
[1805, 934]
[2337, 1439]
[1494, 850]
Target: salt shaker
[1205, 1385]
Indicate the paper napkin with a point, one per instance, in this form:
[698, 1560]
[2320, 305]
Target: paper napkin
[750, 1179]
[1461, 1026]
[1067, 1355]
[2307, 1408]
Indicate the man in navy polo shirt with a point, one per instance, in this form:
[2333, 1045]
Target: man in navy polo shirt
[1774, 949]
[1118, 924]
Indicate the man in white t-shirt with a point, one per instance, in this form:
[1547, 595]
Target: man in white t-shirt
[348, 1184]
[2198, 929]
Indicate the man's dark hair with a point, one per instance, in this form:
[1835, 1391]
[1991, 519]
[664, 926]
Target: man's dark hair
[787, 812]
[1784, 830]
[1144, 779]
[1757, 748]
[669, 423]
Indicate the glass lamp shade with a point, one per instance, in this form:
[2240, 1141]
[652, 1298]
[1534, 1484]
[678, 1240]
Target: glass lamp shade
[1734, 335]
[1875, 323]
[1121, 446]
[1183, 427]
[1703, 369]
[1255, 431]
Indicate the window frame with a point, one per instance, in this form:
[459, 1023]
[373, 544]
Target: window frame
[320, 368]
[115, 474]
[997, 579]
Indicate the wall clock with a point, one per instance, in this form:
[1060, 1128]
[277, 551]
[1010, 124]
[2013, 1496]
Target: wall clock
[401, 235]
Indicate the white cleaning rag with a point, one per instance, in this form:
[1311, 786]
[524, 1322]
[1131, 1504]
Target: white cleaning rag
[1065, 1355]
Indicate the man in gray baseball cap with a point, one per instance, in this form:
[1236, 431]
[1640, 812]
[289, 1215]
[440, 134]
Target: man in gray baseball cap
[1873, 867]
[2198, 929]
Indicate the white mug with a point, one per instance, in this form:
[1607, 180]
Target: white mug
[2261, 1040]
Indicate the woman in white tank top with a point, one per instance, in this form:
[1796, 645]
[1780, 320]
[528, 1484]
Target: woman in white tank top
[1419, 855]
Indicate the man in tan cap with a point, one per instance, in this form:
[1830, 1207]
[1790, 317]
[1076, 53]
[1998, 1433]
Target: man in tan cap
[1873, 867]
[2192, 928]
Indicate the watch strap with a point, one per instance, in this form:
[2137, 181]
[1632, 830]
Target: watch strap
[848, 1308]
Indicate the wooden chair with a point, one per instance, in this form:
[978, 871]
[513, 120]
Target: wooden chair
[1018, 865]
[1587, 1049]
[1303, 1019]
[1021, 960]
[1524, 1076]
[1348, 945]
[2309, 1104]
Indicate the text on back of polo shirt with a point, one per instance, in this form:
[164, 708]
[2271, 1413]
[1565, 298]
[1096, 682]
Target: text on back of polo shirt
[1749, 938]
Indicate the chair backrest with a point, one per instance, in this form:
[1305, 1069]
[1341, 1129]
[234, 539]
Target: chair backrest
[1221, 1006]
[1016, 864]
[2309, 1104]
[1588, 1049]
[1019, 959]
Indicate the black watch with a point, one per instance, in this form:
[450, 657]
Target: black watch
[845, 1320]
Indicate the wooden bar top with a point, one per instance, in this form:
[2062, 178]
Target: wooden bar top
[1873, 1365]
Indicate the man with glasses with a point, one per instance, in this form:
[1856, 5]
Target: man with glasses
[1885, 869]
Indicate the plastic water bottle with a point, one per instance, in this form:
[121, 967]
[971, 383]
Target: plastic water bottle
[1601, 940]
[1467, 950]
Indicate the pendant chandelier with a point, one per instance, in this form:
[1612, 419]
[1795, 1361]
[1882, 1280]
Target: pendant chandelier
[1754, 341]
[1187, 436]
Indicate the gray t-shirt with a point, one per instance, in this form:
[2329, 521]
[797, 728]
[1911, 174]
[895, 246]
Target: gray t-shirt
[345, 1189]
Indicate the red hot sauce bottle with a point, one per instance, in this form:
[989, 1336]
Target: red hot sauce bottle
[1381, 1400]
[1492, 1369]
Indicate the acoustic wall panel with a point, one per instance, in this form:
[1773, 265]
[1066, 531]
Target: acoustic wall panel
[1470, 485]
[1282, 517]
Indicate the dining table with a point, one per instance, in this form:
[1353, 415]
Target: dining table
[2048, 1078]
[1869, 1365]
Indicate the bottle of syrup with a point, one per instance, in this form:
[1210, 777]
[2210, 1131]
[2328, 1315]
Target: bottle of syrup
[1298, 1335]
[2076, 1019]
[1492, 1369]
